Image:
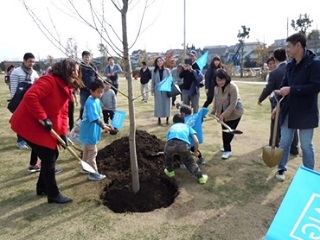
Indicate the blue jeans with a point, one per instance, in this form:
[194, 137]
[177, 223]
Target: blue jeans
[306, 141]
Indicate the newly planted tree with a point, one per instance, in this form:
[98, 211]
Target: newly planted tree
[114, 41]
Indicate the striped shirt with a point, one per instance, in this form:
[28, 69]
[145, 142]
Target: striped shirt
[19, 75]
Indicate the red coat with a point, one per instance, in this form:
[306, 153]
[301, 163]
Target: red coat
[48, 97]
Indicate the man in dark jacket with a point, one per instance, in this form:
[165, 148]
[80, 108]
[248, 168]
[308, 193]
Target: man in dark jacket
[145, 76]
[190, 95]
[300, 86]
[275, 78]
[89, 74]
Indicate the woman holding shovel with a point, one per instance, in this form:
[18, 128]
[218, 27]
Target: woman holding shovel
[45, 108]
[227, 107]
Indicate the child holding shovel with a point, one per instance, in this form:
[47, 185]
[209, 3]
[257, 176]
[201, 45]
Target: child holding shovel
[90, 128]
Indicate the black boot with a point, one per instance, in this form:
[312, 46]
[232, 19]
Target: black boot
[60, 199]
[41, 191]
[159, 121]
[167, 121]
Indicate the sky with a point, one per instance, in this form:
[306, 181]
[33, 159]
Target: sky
[208, 23]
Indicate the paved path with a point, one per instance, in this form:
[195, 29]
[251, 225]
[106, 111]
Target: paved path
[249, 82]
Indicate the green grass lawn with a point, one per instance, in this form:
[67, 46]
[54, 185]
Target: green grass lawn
[238, 202]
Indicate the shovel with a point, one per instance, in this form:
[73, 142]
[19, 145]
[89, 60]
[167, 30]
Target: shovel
[272, 155]
[87, 167]
[228, 129]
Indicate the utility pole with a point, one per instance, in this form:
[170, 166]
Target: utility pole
[184, 30]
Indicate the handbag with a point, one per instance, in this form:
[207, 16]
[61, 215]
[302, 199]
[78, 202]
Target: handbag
[175, 90]
[17, 97]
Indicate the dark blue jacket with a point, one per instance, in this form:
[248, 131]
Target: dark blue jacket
[302, 102]
[210, 80]
[89, 74]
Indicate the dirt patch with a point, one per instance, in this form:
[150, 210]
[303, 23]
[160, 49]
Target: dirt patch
[156, 190]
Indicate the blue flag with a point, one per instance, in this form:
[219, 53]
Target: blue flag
[195, 121]
[165, 84]
[118, 119]
[202, 61]
[298, 216]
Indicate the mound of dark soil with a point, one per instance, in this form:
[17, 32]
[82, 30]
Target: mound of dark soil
[156, 190]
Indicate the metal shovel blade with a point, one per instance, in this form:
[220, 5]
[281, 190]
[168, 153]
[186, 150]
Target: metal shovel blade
[228, 129]
[271, 155]
[232, 131]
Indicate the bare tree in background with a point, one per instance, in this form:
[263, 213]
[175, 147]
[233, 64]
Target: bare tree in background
[72, 48]
[116, 42]
[242, 35]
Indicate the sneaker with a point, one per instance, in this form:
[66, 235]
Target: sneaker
[34, 168]
[201, 161]
[22, 145]
[182, 166]
[280, 175]
[203, 179]
[96, 176]
[222, 149]
[226, 155]
[58, 170]
[83, 171]
[169, 174]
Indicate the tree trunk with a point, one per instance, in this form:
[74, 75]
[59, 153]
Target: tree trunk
[132, 134]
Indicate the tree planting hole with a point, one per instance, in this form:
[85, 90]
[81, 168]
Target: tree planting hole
[156, 189]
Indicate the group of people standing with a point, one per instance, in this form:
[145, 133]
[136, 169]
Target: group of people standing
[298, 81]
[45, 110]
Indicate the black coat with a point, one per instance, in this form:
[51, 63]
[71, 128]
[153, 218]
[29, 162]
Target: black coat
[145, 76]
[275, 78]
[301, 104]
[210, 80]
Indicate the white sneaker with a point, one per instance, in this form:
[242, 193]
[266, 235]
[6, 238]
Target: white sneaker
[222, 149]
[22, 145]
[280, 175]
[226, 155]
[96, 176]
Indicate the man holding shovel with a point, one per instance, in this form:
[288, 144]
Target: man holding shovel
[274, 82]
[300, 86]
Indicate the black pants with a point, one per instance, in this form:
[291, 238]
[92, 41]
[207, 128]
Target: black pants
[19, 138]
[33, 158]
[106, 115]
[115, 87]
[47, 178]
[71, 114]
[207, 102]
[227, 137]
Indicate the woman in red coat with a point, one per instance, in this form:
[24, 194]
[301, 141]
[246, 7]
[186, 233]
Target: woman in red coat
[47, 100]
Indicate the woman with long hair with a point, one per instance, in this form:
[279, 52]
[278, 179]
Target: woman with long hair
[45, 107]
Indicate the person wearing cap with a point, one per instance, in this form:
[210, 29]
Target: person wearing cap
[190, 87]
